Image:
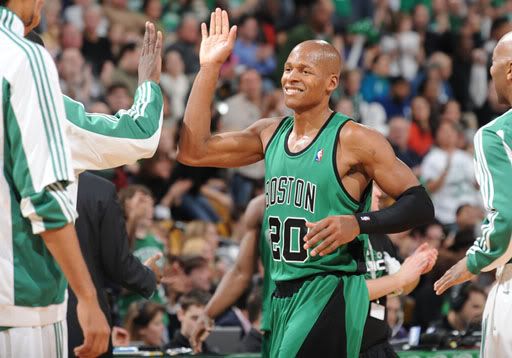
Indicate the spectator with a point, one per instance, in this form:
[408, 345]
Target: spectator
[398, 136]
[70, 37]
[175, 83]
[117, 12]
[144, 322]
[191, 306]
[126, 70]
[420, 136]
[395, 317]
[466, 308]
[199, 272]
[251, 343]
[376, 84]
[187, 43]
[118, 97]
[75, 76]
[247, 101]
[96, 49]
[448, 172]
[398, 103]
[352, 90]
[251, 54]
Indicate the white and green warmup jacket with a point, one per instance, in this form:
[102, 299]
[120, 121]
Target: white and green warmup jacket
[45, 141]
[493, 165]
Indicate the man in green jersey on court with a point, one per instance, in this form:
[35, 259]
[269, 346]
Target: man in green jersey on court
[319, 166]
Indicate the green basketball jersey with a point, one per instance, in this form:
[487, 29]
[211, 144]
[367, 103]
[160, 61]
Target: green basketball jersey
[301, 187]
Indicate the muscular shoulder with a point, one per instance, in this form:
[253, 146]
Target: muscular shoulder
[361, 141]
[266, 127]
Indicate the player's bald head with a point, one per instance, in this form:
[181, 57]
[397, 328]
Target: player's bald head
[320, 53]
[503, 48]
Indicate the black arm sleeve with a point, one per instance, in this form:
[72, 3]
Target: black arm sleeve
[411, 209]
[119, 263]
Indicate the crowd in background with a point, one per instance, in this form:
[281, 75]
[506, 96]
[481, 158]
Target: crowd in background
[415, 70]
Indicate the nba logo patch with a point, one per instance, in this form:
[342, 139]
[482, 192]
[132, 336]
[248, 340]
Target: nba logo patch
[319, 155]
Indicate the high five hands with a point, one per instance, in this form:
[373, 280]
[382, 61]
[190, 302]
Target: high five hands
[217, 44]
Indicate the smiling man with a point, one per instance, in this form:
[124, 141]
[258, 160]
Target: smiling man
[319, 165]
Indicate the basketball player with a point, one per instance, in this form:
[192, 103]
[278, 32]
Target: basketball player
[319, 166]
[493, 250]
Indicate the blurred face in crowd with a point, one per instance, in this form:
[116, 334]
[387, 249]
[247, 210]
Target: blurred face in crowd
[188, 318]
[71, 37]
[399, 132]
[420, 110]
[434, 235]
[381, 66]
[201, 278]
[321, 15]
[353, 83]
[346, 107]
[394, 308]
[189, 30]
[473, 308]
[401, 90]
[174, 63]
[379, 198]
[250, 84]
[212, 235]
[92, 18]
[118, 99]
[154, 9]
[71, 64]
[452, 112]
[120, 4]
[311, 73]
[153, 332]
[249, 30]
[447, 136]
[130, 60]
[469, 216]
[421, 17]
[444, 64]
[501, 69]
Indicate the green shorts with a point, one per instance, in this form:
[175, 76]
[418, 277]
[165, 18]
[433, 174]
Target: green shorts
[318, 316]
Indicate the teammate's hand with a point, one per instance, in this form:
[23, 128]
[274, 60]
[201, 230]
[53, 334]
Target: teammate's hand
[200, 332]
[216, 46]
[150, 62]
[456, 275]
[419, 263]
[151, 263]
[330, 233]
[94, 327]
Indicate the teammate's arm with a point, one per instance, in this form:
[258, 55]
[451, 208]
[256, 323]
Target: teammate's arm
[197, 146]
[412, 207]
[407, 277]
[494, 247]
[235, 281]
[100, 141]
[41, 168]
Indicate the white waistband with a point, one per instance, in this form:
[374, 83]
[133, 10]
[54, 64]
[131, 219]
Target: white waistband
[21, 316]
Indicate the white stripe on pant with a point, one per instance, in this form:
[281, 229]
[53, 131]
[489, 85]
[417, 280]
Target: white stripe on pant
[50, 341]
[496, 330]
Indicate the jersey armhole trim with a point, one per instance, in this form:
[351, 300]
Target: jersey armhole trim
[335, 165]
[274, 134]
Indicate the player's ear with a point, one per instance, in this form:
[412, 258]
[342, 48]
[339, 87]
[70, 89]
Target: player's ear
[334, 81]
[509, 71]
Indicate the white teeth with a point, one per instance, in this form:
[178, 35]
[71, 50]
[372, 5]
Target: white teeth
[292, 91]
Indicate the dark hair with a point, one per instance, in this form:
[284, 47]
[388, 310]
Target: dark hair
[459, 295]
[139, 315]
[254, 303]
[194, 298]
[4, 2]
[193, 262]
[128, 192]
[129, 47]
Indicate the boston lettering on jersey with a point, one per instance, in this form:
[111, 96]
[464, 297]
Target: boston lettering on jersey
[288, 190]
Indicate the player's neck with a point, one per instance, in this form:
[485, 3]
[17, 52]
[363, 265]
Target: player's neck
[313, 118]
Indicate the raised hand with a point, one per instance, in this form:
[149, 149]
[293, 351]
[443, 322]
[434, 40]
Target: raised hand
[216, 46]
[419, 263]
[456, 275]
[152, 264]
[200, 332]
[150, 62]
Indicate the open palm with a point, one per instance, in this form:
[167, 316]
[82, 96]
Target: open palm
[216, 46]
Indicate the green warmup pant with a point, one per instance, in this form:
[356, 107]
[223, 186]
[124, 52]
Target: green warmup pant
[318, 316]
